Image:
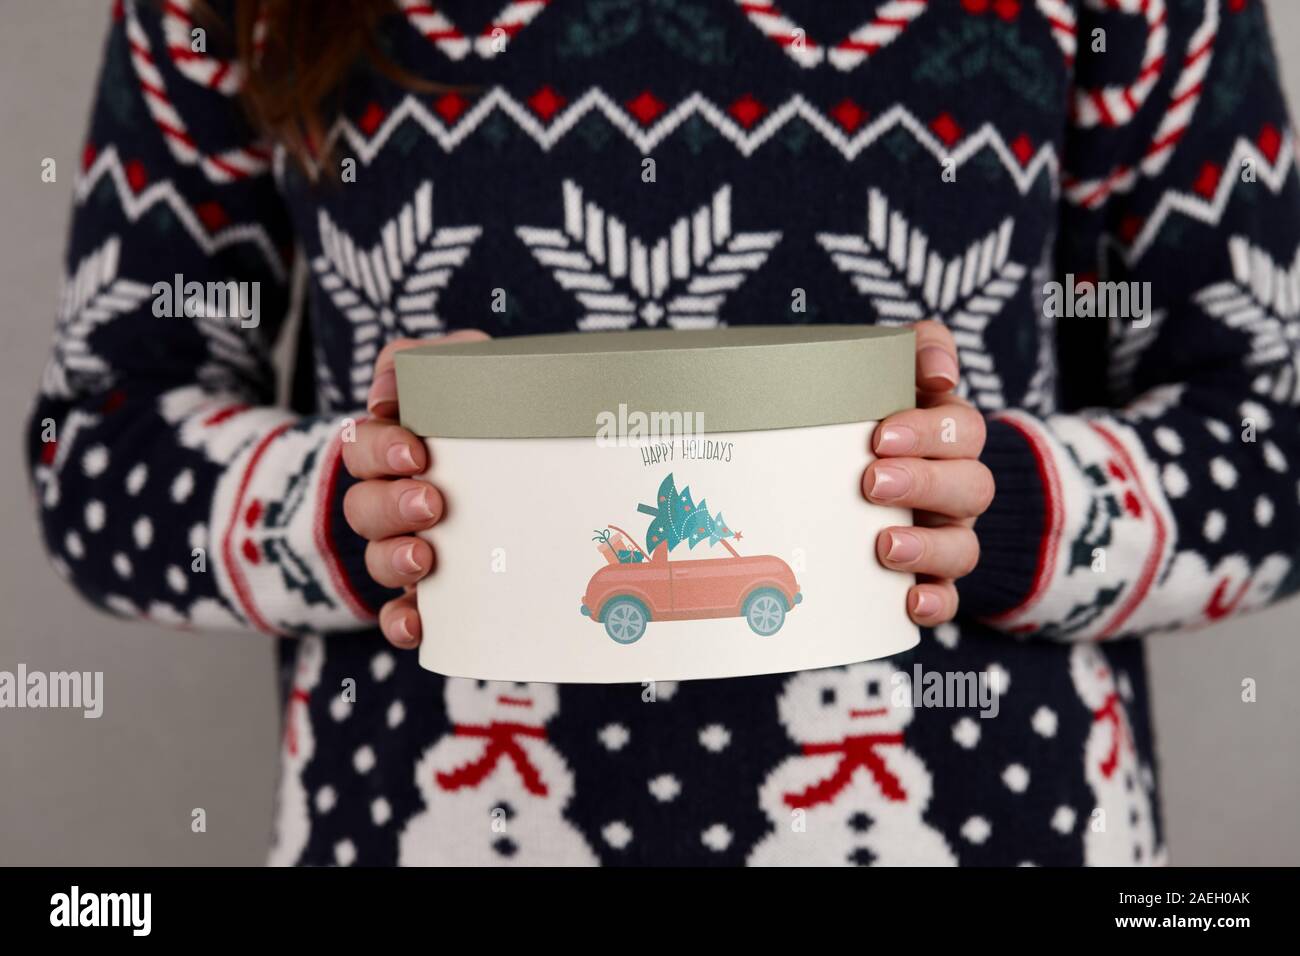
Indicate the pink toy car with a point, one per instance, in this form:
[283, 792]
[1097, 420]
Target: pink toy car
[627, 597]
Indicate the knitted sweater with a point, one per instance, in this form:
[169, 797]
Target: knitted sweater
[850, 162]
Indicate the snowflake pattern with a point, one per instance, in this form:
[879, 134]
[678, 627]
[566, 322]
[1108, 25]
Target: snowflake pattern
[681, 279]
[390, 290]
[92, 296]
[1262, 301]
[896, 267]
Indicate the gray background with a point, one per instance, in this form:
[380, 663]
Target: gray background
[190, 719]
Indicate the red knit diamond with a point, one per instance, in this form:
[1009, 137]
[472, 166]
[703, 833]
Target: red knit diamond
[1023, 147]
[747, 110]
[136, 177]
[645, 107]
[88, 155]
[250, 552]
[546, 103]
[975, 6]
[1129, 227]
[211, 215]
[1208, 180]
[946, 128]
[112, 402]
[1270, 141]
[848, 114]
[371, 118]
[1007, 9]
[449, 106]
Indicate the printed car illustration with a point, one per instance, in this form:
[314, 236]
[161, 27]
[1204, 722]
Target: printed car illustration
[627, 596]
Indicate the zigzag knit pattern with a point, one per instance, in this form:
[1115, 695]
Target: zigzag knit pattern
[616, 164]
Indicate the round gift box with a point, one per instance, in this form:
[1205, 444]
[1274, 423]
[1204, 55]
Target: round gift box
[658, 505]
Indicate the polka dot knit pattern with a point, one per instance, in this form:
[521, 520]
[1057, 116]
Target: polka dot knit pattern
[979, 162]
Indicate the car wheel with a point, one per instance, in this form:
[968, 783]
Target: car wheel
[625, 620]
[765, 611]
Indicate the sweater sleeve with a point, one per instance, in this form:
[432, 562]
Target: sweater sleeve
[168, 486]
[1164, 494]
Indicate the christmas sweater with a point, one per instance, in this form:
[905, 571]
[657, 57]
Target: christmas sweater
[1098, 199]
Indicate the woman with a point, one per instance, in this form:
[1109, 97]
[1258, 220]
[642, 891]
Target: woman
[1089, 215]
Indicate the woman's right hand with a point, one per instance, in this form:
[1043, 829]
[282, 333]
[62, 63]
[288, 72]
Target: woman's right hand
[387, 506]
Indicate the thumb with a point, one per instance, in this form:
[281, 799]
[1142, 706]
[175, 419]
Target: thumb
[382, 400]
[937, 370]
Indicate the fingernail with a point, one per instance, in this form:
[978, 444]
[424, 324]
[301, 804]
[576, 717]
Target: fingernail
[895, 440]
[904, 548]
[404, 560]
[937, 363]
[403, 630]
[890, 482]
[383, 391]
[926, 604]
[414, 505]
[400, 458]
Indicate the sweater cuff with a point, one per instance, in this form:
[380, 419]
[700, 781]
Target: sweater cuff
[1010, 531]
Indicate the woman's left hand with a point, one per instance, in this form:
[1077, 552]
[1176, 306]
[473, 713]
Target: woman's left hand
[928, 460]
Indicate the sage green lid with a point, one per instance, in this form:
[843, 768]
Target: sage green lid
[743, 378]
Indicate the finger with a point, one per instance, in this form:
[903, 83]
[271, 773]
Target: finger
[950, 552]
[397, 562]
[948, 431]
[931, 519]
[932, 603]
[937, 369]
[382, 509]
[937, 399]
[959, 489]
[383, 450]
[400, 622]
[382, 400]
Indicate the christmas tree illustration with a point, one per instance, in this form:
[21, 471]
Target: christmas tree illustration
[676, 518]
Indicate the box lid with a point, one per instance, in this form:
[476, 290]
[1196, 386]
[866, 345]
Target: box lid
[744, 378]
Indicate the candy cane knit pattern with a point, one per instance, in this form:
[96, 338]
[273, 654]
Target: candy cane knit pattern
[1177, 116]
[1114, 248]
[213, 72]
[222, 167]
[885, 26]
[1060, 18]
[1117, 105]
[435, 27]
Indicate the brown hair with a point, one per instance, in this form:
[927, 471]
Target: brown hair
[295, 56]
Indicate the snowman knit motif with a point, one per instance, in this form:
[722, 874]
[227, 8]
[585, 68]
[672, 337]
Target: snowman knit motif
[1110, 713]
[1098, 199]
[856, 752]
[500, 743]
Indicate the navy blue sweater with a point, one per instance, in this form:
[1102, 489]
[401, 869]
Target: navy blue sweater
[898, 160]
